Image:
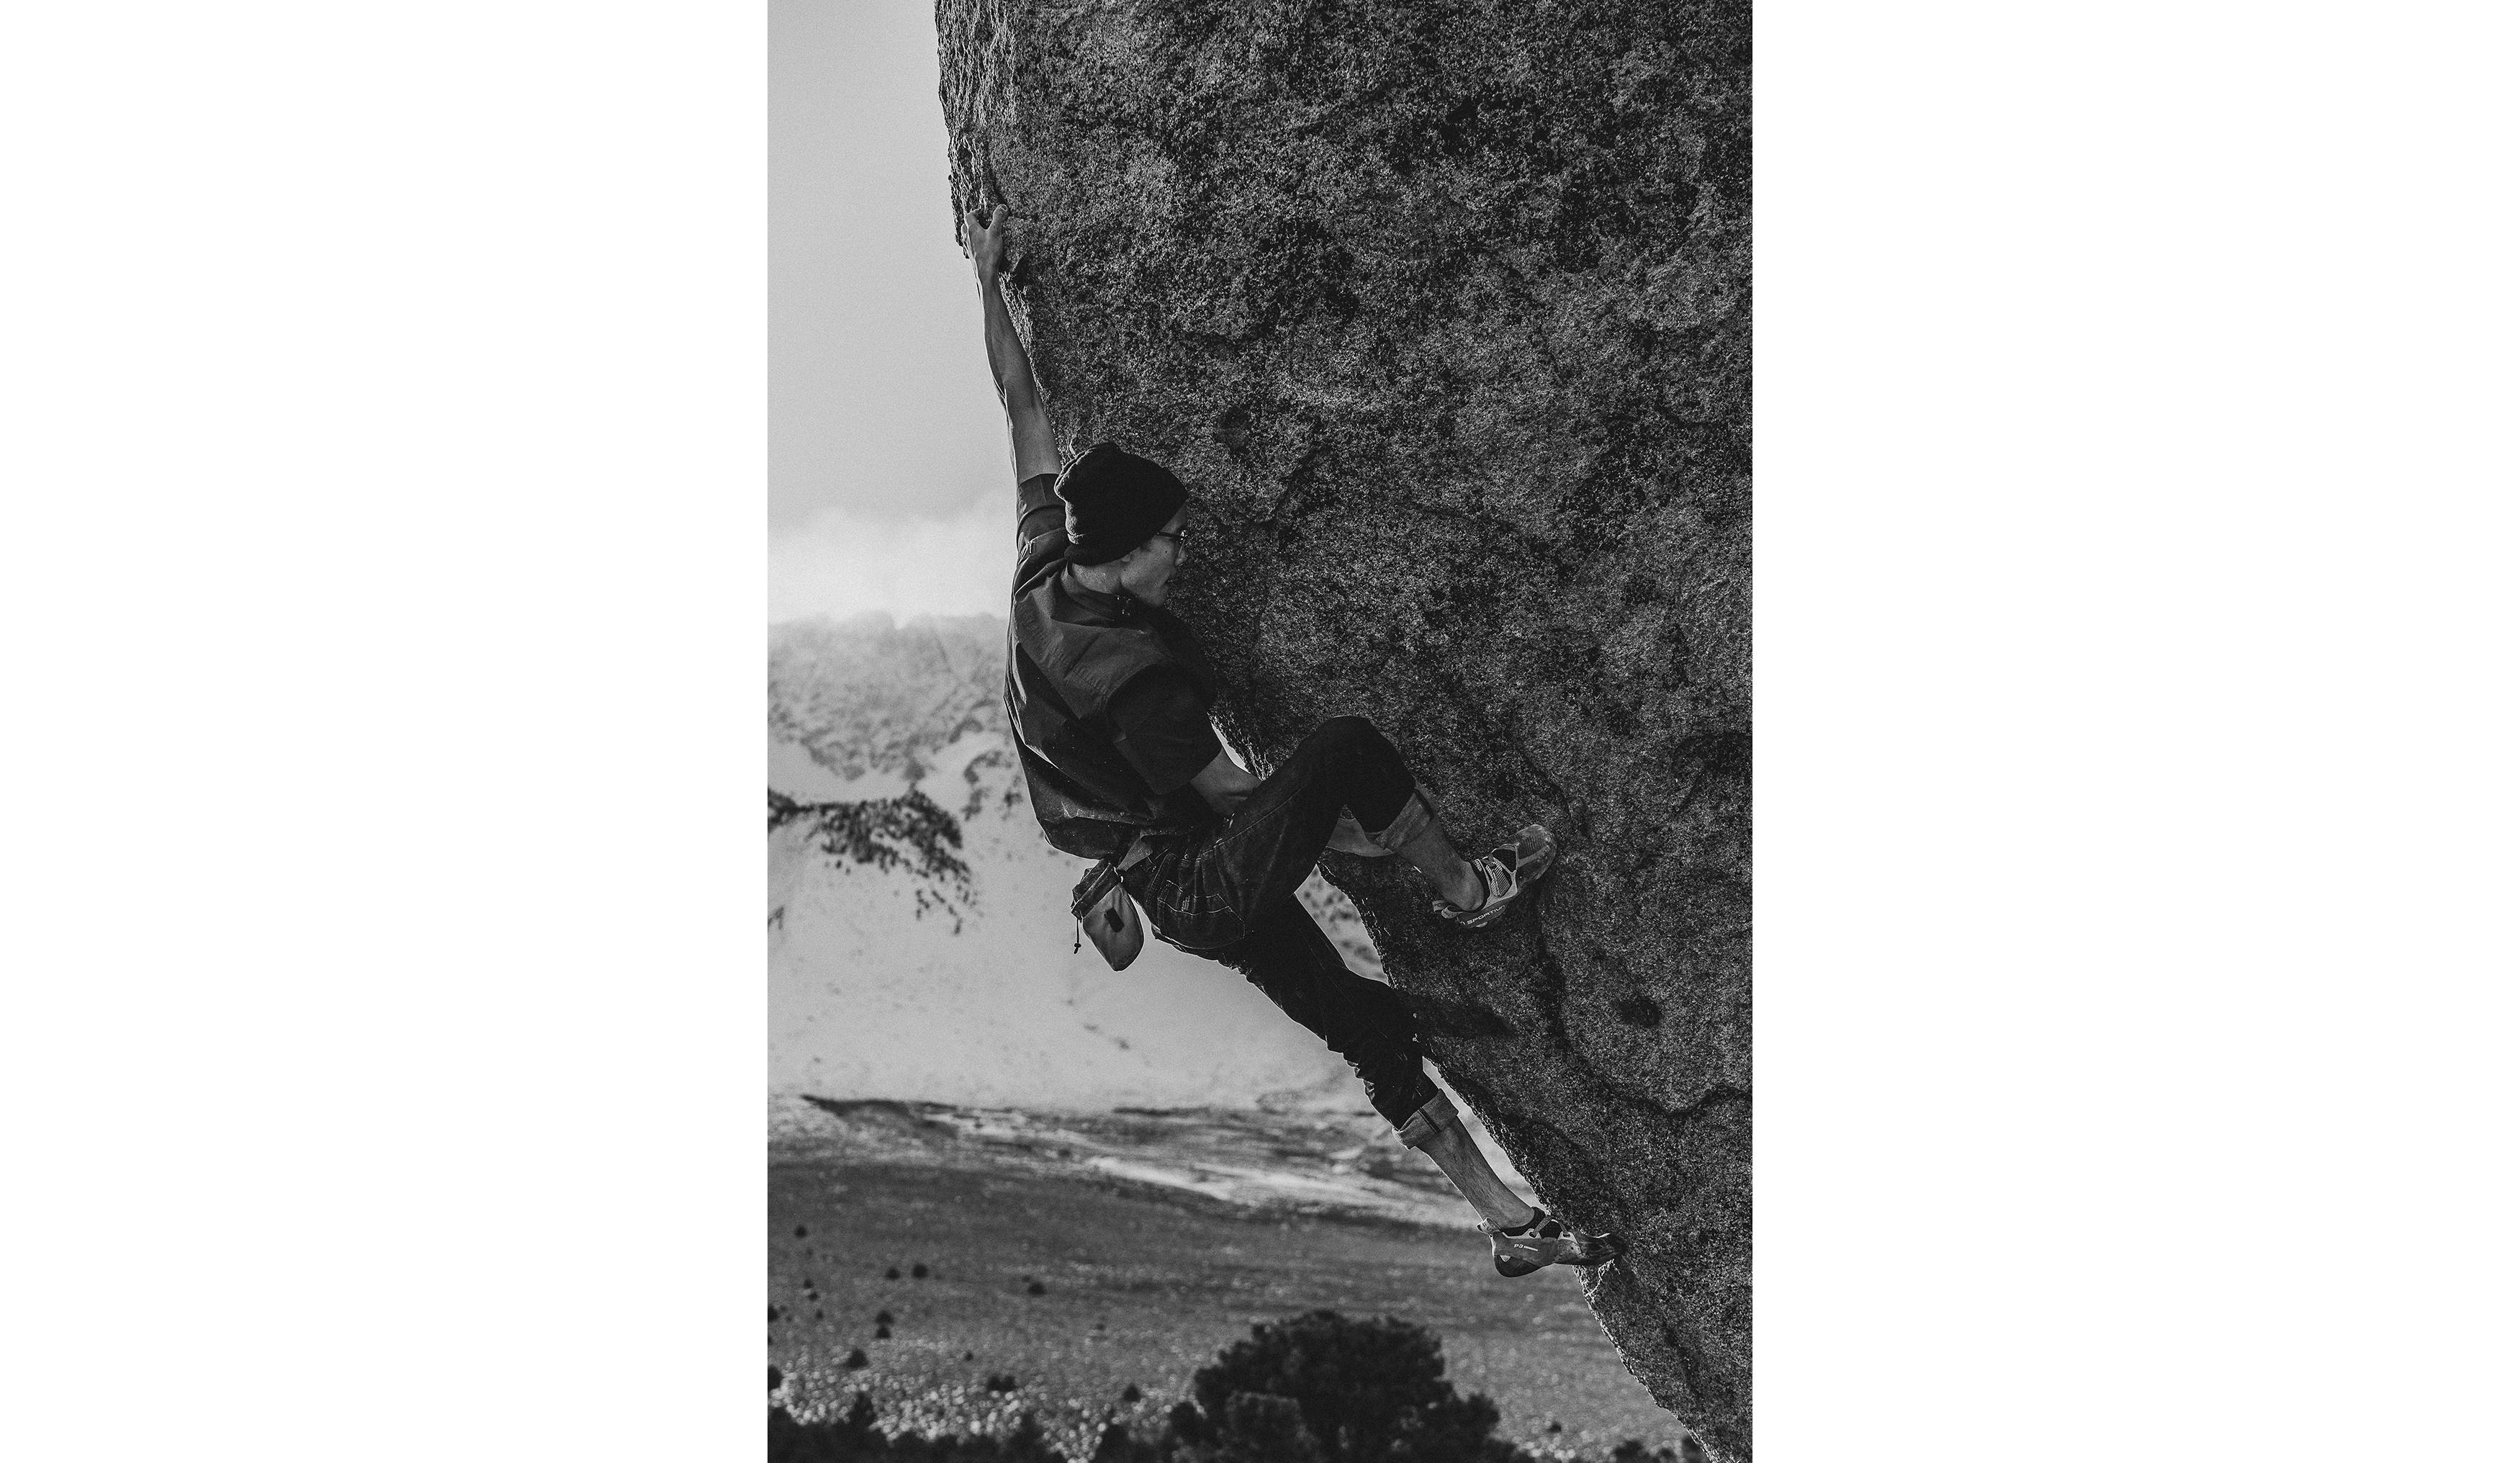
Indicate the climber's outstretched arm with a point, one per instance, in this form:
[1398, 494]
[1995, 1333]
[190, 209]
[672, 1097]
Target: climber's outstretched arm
[984, 238]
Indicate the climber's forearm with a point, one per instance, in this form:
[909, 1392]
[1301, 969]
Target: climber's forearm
[1224, 785]
[1027, 424]
[1008, 362]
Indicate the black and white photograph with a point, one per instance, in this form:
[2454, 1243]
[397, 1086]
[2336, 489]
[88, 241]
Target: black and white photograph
[1228, 529]
[1259, 906]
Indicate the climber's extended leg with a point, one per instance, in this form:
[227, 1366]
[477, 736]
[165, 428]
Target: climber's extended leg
[1295, 966]
[1524, 1238]
[1448, 1142]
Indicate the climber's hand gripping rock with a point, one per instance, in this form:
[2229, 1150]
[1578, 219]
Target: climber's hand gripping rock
[984, 239]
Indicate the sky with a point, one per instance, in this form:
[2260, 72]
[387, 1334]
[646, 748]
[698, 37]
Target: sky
[891, 487]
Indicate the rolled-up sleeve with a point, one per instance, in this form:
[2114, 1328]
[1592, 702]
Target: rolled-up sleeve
[1038, 510]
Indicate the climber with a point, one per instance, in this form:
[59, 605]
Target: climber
[1108, 694]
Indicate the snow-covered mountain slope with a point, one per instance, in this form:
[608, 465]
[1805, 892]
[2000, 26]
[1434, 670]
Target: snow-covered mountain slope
[891, 977]
[911, 963]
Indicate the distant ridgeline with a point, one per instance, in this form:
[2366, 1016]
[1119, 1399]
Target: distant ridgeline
[866, 696]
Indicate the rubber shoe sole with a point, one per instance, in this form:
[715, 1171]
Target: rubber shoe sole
[1509, 870]
[1551, 1242]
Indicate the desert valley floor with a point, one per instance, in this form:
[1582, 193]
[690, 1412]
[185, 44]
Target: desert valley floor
[1154, 1239]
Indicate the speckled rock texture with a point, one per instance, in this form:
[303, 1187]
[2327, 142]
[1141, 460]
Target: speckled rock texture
[1443, 312]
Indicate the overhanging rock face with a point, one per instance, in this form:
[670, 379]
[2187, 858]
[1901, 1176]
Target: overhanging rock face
[1443, 312]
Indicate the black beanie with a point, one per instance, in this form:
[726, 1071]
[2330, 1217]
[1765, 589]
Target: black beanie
[1115, 501]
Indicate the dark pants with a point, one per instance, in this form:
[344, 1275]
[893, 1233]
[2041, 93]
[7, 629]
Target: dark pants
[1228, 892]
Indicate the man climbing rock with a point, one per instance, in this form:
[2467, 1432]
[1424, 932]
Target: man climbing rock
[1108, 694]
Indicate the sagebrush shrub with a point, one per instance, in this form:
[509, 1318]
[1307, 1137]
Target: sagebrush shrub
[1366, 1389]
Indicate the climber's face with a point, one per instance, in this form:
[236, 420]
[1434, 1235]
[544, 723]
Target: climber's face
[1147, 572]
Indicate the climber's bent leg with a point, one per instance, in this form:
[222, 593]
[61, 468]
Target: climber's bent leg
[1405, 826]
[1409, 827]
[1350, 760]
[1212, 888]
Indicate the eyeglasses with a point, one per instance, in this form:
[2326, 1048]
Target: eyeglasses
[1181, 536]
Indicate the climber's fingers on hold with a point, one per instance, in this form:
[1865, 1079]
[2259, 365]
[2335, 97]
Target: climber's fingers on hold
[983, 227]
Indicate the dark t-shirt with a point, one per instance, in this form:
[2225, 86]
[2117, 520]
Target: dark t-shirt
[1164, 731]
[1159, 719]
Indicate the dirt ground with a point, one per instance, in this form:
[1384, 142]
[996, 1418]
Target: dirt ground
[1138, 1287]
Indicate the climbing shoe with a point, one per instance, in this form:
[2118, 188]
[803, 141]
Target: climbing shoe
[1507, 870]
[1546, 1241]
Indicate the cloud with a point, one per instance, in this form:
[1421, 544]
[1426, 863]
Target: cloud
[843, 562]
